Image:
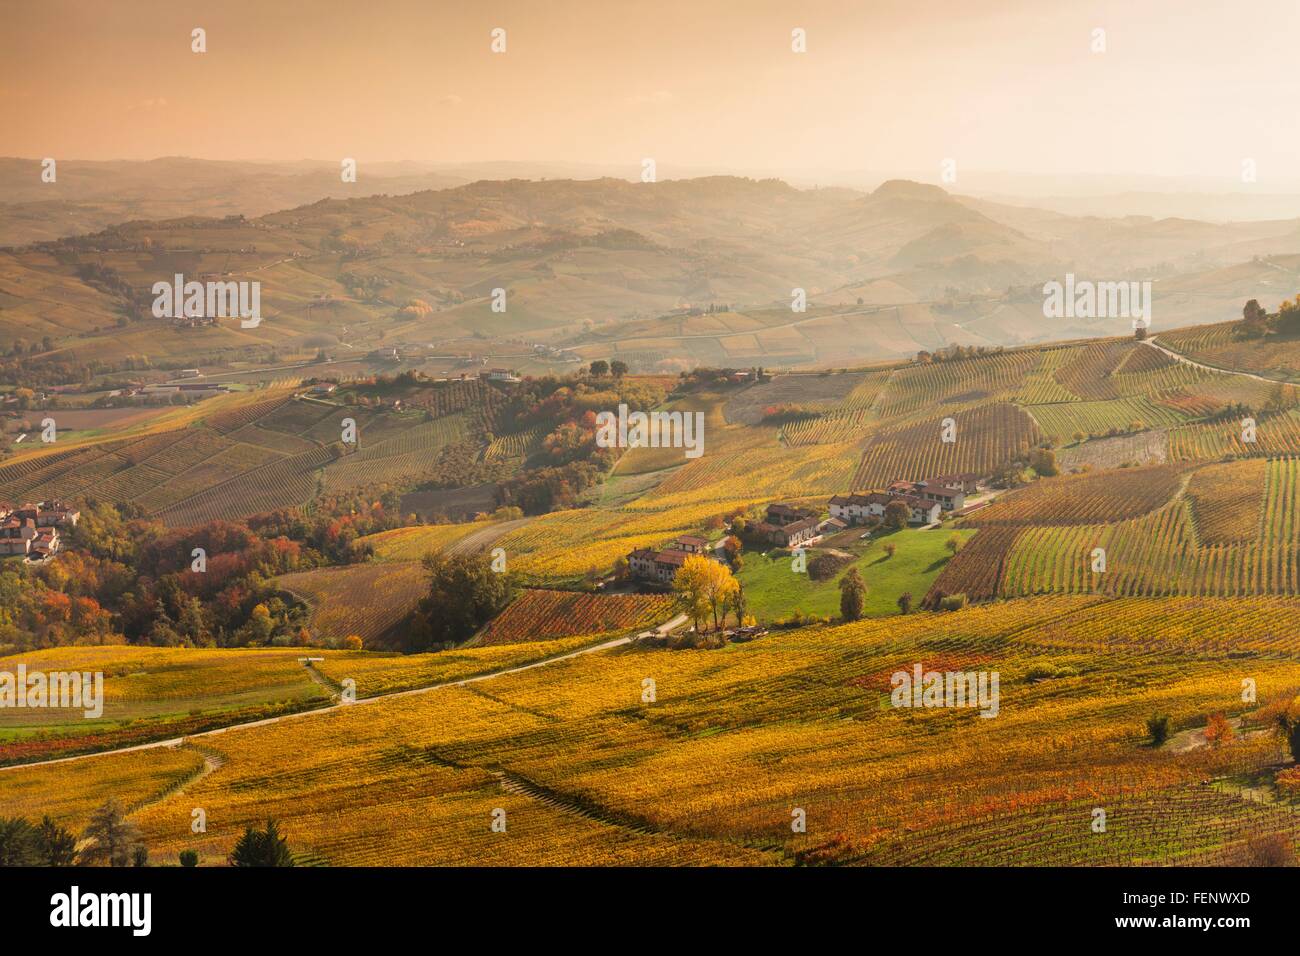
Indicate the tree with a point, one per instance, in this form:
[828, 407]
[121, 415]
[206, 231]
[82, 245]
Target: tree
[905, 602]
[1217, 730]
[1158, 729]
[1254, 319]
[599, 367]
[1043, 461]
[704, 587]
[111, 836]
[352, 642]
[188, 858]
[889, 548]
[464, 594]
[19, 843]
[739, 605]
[1288, 317]
[897, 514]
[58, 847]
[617, 369]
[853, 592]
[262, 848]
[954, 543]
[1288, 726]
[140, 855]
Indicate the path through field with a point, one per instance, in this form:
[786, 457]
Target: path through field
[1178, 356]
[660, 630]
[481, 540]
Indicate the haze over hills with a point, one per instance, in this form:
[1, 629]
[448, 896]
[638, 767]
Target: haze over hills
[90, 195]
[664, 275]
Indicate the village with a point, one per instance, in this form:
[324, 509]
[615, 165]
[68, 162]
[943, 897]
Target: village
[35, 530]
[922, 504]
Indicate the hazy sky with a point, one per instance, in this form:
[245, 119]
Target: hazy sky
[1186, 87]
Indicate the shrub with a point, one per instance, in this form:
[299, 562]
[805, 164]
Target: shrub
[1158, 729]
[952, 602]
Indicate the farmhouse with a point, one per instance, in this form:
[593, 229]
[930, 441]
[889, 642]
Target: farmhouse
[661, 566]
[857, 508]
[499, 375]
[786, 526]
[692, 544]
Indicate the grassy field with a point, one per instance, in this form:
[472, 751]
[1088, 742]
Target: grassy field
[774, 591]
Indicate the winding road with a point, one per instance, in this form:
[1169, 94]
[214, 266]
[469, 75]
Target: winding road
[172, 742]
[1179, 357]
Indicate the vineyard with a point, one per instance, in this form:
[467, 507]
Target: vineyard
[258, 456]
[1067, 419]
[709, 771]
[368, 600]
[537, 615]
[985, 438]
[1085, 499]
[1158, 570]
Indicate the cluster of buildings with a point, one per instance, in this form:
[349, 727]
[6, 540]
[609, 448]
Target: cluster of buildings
[788, 526]
[927, 500]
[34, 529]
[661, 567]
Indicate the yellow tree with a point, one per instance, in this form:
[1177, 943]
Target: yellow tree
[703, 587]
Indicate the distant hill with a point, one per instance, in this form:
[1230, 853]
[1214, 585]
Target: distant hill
[664, 275]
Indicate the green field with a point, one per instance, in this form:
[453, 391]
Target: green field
[774, 591]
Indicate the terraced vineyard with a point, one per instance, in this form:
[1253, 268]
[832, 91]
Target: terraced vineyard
[261, 456]
[985, 437]
[1085, 499]
[539, 614]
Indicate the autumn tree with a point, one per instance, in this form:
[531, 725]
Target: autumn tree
[704, 587]
[1043, 461]
[1287, 720]
[1217, 730]
[599, 367]
[905, 602]
[954, 543]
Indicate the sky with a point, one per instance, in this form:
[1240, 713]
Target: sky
[1183, 89]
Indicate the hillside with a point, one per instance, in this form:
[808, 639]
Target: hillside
[665, 275]
[1200, 574]
[709, 773]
